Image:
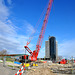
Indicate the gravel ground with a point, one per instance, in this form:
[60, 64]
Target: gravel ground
[42, 69]
[7, 70]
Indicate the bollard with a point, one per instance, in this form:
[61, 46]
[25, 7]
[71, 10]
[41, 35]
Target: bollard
[13, 65]
[4, 59]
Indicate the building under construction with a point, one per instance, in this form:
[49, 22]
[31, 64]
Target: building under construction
[51, 50]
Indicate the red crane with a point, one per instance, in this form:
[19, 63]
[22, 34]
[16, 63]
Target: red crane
[33, 55]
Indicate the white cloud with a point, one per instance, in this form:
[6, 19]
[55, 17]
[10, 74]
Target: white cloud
[28, 27]
[4, 11]
[9, 38]
[67, 48]
[8, 44]
[9, 2]
[7, 29]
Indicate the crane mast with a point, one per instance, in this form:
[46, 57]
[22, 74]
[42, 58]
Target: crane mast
[34, 54]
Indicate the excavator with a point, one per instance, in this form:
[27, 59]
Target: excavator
[33, 55]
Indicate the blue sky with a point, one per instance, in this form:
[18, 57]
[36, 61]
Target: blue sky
[18, 19]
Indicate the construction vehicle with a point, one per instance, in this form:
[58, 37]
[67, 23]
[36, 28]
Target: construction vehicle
[63, 61]
[33, 55]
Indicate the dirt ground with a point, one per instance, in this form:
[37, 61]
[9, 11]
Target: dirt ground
[42, 69]
[50, 69]
[34, 71]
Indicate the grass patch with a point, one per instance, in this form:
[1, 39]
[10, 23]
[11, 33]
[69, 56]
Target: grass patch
[9, 61]
[10, 65]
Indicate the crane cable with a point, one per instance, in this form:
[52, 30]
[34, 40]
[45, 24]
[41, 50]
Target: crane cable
[37, 24]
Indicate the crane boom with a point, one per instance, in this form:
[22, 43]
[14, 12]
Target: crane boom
[34, 54]
[41, 36]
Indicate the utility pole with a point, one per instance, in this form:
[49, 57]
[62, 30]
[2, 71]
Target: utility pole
[25, 62]
[72, 65]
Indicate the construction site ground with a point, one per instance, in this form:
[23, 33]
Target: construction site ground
[42, 69]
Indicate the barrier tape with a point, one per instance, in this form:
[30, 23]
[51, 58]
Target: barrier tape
[22, 69]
